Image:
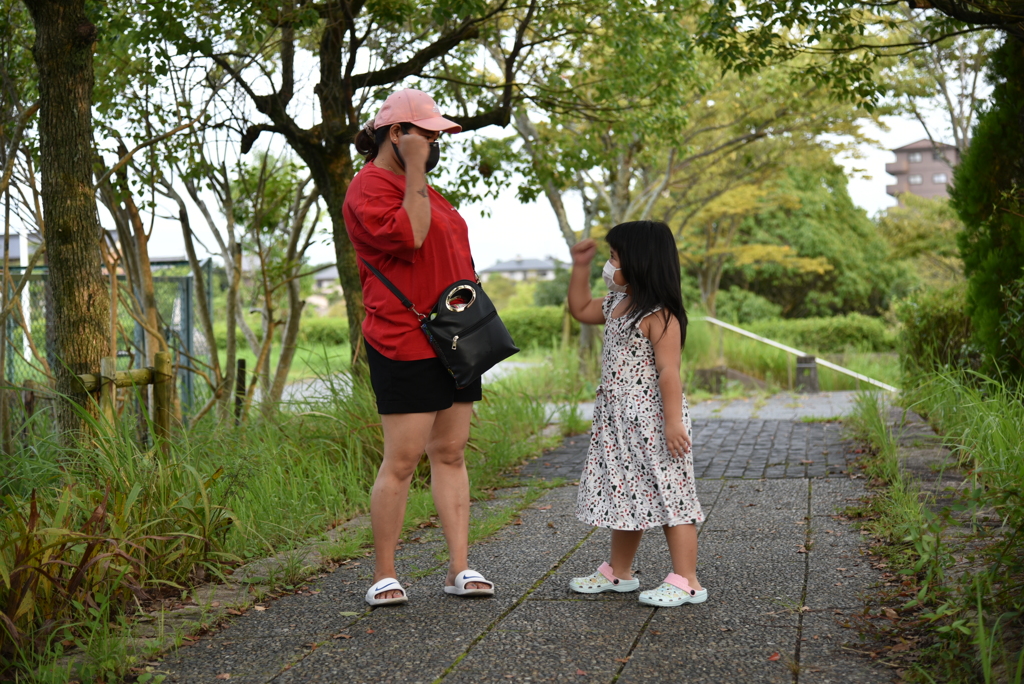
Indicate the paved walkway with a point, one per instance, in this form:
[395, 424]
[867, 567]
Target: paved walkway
[784, 575]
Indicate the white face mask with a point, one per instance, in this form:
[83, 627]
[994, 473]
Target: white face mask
[608, 273]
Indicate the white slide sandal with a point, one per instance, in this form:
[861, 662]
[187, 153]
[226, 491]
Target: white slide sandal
[386, 584]
[464, 578]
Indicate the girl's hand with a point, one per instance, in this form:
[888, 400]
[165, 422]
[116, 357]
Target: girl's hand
[677, 439]
[583, 252]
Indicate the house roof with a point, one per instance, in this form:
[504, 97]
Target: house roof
[328, 273]
[547, 264]
[923, 144]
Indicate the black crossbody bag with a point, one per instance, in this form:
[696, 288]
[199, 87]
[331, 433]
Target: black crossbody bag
[463, 329]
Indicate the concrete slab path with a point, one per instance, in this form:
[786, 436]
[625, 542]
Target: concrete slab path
[784, 574]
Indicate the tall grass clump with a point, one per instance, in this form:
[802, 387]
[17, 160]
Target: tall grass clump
[899, 511]
[104, 527]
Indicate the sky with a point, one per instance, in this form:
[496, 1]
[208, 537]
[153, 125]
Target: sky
[513, 229]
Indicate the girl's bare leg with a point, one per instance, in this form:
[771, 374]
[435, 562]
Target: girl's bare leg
[624, 546]
[449, 483]
[682, 545]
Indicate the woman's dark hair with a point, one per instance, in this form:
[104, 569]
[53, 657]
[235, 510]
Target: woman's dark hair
[649, 261]
[369, 145]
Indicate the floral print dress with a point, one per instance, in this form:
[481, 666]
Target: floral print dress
[630, 480]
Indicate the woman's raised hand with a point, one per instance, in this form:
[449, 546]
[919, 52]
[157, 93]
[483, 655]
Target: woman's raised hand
[583, 252]
[415, 149]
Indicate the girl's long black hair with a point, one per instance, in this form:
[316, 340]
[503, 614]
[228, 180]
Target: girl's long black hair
[650, 264]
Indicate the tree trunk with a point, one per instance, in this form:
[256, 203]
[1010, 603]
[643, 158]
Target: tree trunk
[77, 303]
[348, 265]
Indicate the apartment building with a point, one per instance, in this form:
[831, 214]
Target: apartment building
[923, 169]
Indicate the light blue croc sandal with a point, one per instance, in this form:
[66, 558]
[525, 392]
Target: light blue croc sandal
[603, 580]
[674, 591]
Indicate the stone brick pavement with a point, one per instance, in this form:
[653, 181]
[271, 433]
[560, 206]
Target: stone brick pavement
[733, 449]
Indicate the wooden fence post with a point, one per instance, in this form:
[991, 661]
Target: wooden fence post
[108, 390]
[239, 390]
[163, 377]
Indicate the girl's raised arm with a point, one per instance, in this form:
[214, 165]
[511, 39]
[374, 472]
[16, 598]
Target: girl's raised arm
[583, 307]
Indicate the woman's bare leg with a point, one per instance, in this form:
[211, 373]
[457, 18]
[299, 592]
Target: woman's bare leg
[624, 546]
[449, 483]
[682, 545]
[405, 439]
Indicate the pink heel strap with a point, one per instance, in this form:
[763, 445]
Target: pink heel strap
[606, 570]
[680, 582]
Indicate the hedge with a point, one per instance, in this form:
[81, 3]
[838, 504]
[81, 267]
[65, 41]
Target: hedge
[830, 335]
[313, 332]
[937, 332]
[536, 326]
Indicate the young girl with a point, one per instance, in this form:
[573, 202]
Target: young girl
[639, 471]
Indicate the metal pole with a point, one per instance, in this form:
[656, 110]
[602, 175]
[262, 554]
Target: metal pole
[797, 352]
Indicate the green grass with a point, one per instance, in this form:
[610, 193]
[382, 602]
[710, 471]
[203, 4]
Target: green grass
[310, 361]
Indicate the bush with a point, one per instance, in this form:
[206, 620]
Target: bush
[324, 331]
[740, 306]
[986, 195]
[937, 332]
[313, 332]
[832, 335]
[539, 326]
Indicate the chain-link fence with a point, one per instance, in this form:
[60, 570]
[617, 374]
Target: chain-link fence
[28, 355]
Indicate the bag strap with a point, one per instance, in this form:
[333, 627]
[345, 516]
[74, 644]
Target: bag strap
[391, 286]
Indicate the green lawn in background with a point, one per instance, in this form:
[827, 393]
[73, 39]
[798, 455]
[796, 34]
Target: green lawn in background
[310, 361]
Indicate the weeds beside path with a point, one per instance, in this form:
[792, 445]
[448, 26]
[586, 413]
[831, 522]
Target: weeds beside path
[948, 522]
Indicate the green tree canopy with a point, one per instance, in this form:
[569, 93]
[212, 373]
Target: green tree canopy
[987, 194]
[809, 210]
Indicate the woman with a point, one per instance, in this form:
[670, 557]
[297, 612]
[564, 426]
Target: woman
[408, 232]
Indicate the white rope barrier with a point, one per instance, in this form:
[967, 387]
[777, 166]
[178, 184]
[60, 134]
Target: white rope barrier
[797, 352]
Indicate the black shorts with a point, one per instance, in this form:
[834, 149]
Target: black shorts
[421, 386]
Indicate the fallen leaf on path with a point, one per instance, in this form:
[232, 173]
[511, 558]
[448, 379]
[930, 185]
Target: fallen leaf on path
[517, 521]
[260, 607]
[805, 609]
[654, 631]
[215, 604]
[902, 646]
[725, 629]
[544, 508]
[622, 660]
[342, 636]
[890, 613]
[347, 613]
[232, 611]
[226, 675]
[801, 549]
[551, 524]
[369, 631]
[810, 462]
[774, 656]
[581, 673]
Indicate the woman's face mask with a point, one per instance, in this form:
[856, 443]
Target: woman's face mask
[433, 157]
[608, 273]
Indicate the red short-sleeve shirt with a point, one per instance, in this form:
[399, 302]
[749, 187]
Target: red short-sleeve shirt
[381, 233]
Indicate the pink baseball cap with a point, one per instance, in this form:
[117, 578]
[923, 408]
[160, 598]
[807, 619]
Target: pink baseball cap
[415, 107]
